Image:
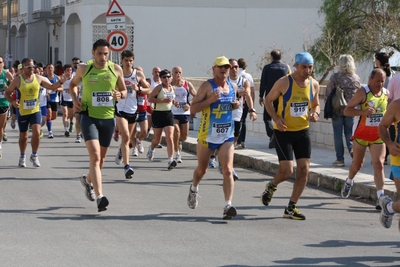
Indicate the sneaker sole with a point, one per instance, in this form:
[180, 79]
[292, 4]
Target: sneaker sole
[172, 165]
[293, 217]
[34, 165]
[230, 213]
[102, 206]
[129, 173]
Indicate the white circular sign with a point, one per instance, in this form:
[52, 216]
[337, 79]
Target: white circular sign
[118, 41]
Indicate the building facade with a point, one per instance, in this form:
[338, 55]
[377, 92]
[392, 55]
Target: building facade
[188, 33]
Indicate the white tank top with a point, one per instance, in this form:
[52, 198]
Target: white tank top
[182, 96]
[154, 84]
[129, 104]
[66, 96]
[237, 113]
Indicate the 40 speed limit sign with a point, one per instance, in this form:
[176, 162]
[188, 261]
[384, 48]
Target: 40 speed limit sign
[118, 41]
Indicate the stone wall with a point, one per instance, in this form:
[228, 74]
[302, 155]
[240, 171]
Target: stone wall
[321, 131]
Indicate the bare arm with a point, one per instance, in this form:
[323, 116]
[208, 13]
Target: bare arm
[48, 85]
[315, 107]
[204, 97]
[121, 92]
[383, 128]
[10, 89]
[358, 98]
[279, 88]
[249, 99]
[145, 86]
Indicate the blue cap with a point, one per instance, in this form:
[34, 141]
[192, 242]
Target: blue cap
[304, 58]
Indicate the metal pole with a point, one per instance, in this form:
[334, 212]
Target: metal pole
[9, 29]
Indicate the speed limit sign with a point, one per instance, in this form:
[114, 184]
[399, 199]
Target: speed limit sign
[118, 41]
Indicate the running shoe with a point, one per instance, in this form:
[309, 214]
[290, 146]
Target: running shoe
[292, 212]
[229, 212]
[378, 206]
[150, 154]
[386, 217]
[268, 193]
[178, 158]
[22, 162]
[159, 146]
[116, 136]
[102, 203]
[135, 152]
[66, 133]
[171, 164]
[118, 157]
[338, 163]
[192, 199]
[5, 138]
[41, 134]
[139, 146]
[78, 139]
[346, 189]
[129, 172]
[12, 124]
[51, 136]
[35, 160]
[212, 163]
[234, 174]
[71, 127]
[89, 192]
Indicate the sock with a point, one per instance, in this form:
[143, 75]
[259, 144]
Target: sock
[270, 184]
[170, 159]
[22, 155]
[34, 153]
[212, 157]
[67, 125]
[177, 153]
[127, 167]
[349, 181]
[228, 202]
[49, 125]
[380, 193]
[99, 196]
[66, 129]
[291, 203]
[194, 188]
[390, 208]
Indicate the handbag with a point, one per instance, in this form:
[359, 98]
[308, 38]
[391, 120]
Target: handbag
[328, 109]
[338, 100]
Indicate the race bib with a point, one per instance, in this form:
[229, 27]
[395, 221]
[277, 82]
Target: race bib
[141, 100]
[102, 99]
[30, 104]
[221, 129]
[1, 81]
[298, 109]
[374, 120]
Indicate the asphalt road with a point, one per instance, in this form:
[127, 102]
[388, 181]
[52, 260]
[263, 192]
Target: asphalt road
[45, 219]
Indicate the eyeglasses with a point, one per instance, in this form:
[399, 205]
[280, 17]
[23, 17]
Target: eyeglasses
[165, 77]
[234, 67]
[31, 67]
[224, 67]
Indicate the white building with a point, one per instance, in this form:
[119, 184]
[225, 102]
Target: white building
[188, 33]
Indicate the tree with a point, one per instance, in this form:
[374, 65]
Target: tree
[356, 27]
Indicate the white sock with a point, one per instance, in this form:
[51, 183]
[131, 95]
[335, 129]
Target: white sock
[349, 181]
[228, 202]
[194, 188]
[170, 159]
[380, 193]
[390, 208]
[99, 196]
[177, 153]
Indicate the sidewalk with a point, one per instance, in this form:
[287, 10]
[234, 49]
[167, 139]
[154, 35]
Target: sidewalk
[258, 156]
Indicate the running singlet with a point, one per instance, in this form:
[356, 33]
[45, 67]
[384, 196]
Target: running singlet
[66, 96]
[97, 97]
[130, 103]
[53, 95]
[216, 124]
[164, 94]
[367, 127]
[29, 96]
[237, 113]
[3, 80]
[182, 97]
[43, 95]
[293, 106]
[395, 160]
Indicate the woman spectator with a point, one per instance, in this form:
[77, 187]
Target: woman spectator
[162, 118]
[347, 80]
[382, 62]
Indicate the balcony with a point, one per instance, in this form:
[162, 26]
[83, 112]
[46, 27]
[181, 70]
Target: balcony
[44, 9]
[57, 11]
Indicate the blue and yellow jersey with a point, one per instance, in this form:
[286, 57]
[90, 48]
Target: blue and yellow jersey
[294, 105]
[29, 96]
[395, 160]
[216, 124]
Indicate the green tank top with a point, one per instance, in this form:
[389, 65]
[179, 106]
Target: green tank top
[3, 80]
[97, 98]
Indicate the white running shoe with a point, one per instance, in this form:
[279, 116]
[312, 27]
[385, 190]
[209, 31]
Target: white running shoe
[51, 136]
[78, 139]
[118, 157]
[22, 162]
[139, 146]
[135, 152]
[150, 154]
[178, 158]
[35, 160]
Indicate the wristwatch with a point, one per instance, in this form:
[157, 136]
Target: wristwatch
[252, 110]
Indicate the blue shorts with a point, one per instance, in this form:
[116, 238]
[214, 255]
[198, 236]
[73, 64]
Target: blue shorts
[394, 172]
[214, 146]
[31, 119]
[43, 111]
[142, 116]
[183, 119]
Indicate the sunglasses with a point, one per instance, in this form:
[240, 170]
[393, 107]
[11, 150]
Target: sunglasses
[1, 62]
[234, 67]
[165, 77]
[31, 67]
[224, 67]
